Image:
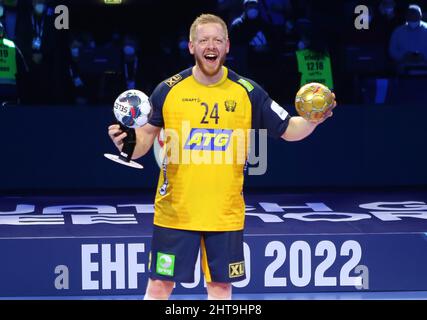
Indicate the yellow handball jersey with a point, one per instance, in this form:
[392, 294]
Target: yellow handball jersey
[207, 131]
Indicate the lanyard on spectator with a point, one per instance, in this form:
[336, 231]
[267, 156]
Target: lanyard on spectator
[38, 28]
[135, 64]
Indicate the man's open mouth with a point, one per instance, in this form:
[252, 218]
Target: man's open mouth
[211, 57]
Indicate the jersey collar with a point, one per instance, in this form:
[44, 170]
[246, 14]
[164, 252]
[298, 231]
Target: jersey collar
[219, 82]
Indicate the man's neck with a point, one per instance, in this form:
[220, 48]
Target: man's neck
[205, 79]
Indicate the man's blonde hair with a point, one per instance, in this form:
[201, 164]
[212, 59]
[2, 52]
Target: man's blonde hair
[207, 18]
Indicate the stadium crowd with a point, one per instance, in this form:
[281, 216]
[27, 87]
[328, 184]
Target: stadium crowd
[281, 44]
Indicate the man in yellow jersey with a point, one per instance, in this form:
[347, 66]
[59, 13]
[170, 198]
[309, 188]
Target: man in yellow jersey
[199, 202]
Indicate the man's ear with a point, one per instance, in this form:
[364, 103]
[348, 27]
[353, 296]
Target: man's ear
[227, 48]
[191, 47]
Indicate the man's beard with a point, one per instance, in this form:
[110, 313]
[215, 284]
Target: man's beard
[201, 63]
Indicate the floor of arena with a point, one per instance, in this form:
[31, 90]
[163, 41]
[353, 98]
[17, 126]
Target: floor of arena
[329, 245]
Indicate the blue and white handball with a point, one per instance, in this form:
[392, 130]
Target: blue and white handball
[132, 108]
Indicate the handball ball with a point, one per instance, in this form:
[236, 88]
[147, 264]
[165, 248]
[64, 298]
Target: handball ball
[132, 108]
[313, 100]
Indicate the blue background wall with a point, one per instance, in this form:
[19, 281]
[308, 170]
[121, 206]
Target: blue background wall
[61, 147]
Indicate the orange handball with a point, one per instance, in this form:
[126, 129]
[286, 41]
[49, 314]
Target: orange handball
[313, 100]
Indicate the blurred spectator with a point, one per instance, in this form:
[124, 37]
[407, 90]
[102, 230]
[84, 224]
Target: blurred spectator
[314, 63]
[45, 50]
[129, 75]
[38, 20]
[252, 47]
[8, 68]
[361, 55]
[387, 19]
[12, 65]
[284, 62]
[79, 90]
[130, 62]
[229, 9]
[276, 12]
[408, 43]
[8, 16]
[96, 71]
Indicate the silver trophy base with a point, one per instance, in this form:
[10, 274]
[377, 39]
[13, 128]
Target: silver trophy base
[116, 158]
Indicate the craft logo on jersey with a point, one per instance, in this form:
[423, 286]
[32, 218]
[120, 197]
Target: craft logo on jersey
[230, 105]
[236, 269]
[208, 139]
[191, 100]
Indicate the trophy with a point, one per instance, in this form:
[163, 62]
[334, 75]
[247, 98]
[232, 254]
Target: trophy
[131, 110]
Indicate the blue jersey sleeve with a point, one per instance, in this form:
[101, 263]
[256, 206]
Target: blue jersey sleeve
[159, 95]
[157, 100]
[266, 113]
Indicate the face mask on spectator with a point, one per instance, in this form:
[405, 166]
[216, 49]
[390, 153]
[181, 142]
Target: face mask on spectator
[129, 50]
[1, 10]
[252, 13]
[413, 24]
[75, 52]
[39, 8]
